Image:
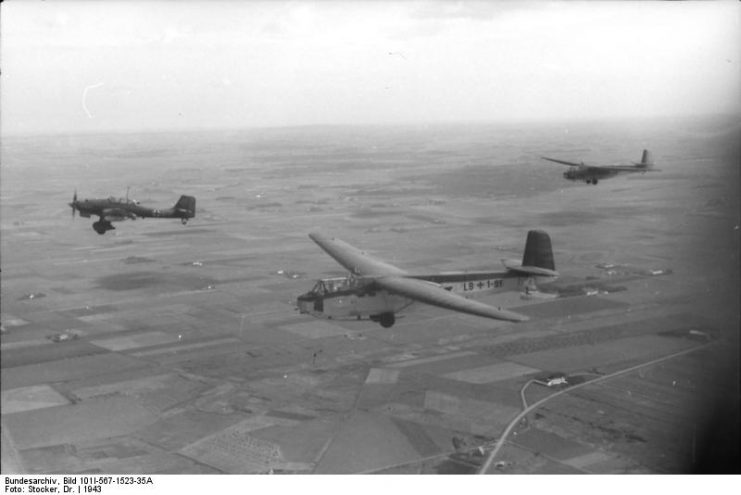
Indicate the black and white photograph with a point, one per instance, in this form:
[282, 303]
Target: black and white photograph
[320, 237]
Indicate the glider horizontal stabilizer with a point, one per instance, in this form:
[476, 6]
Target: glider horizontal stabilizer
[529, 270]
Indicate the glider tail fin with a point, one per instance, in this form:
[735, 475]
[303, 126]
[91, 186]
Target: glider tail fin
[538, 251]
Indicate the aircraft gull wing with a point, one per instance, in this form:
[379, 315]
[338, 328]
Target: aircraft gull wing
[353, 259]
[115, 214]
[433, 294]
[563, 162]
[628, 168]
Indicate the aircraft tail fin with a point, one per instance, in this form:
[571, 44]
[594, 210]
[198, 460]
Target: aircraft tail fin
[538, 251]
[186, 204]
[647, 159]
[538, 257]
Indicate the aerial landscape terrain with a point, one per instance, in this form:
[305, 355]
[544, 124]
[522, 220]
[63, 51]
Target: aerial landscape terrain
[167, 348]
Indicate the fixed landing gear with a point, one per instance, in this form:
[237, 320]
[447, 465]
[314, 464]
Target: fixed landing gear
[592, 181]
[102, 227]
[183, 221]
[386, 320]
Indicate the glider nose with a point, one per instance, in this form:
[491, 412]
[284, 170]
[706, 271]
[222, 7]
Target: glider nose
[303, 303]
[309, 303]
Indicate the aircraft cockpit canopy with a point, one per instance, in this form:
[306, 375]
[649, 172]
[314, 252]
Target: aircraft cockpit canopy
[332, 285]
[123, 201]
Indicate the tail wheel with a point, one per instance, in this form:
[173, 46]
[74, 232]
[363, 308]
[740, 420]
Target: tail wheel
[387, 320]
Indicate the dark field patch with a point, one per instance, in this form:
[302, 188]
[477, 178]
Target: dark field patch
[580, 289]
[290, 415]
[594, 335]
[143, 280]
[373, 213]
[63, 290]
[133, 260]
[550, 444]
[90, 310]
[46, 353]
[495, 181]
[417, 436]
[565, 218]
[570, 306]
[454, 466]
[263, 206]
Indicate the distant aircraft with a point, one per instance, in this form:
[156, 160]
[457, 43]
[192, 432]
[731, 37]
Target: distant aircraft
[377, 290]
[117, 209]
[592, 173]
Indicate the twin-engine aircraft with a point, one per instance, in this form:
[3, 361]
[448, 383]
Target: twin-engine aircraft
[376, 290]
[118, 209]
[591, 174]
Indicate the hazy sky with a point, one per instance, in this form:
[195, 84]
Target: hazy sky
[136, 65]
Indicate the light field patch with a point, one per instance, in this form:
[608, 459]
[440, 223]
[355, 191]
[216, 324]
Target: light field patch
[586, 460]
[30, 398]
[315, 329]
[468, 408]
[13, 321]
[103, 322]
[235, 450]
[382, 375]
[366, 442]
[414, 362]
[135, 341]
[492, 373]
[96, 318]
[24, 343]
[584, 357]
[188, 347]
[78, 423]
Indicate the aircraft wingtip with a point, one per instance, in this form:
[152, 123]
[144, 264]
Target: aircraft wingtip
[318, 237]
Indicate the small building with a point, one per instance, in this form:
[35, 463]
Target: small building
[552, 379]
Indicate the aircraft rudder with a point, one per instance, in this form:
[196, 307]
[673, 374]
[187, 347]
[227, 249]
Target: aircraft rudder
[646, 158]
[187, 204]
[538, 250]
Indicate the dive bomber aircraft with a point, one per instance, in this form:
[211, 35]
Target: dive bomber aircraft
[376, 290]
[118, 209]
[591, 174]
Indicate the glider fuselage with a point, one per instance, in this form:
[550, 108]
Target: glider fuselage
[341, 298]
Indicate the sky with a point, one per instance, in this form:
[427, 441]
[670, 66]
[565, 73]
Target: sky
[86, 66]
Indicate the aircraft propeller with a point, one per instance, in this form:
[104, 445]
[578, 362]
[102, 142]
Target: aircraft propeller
[74, 203]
